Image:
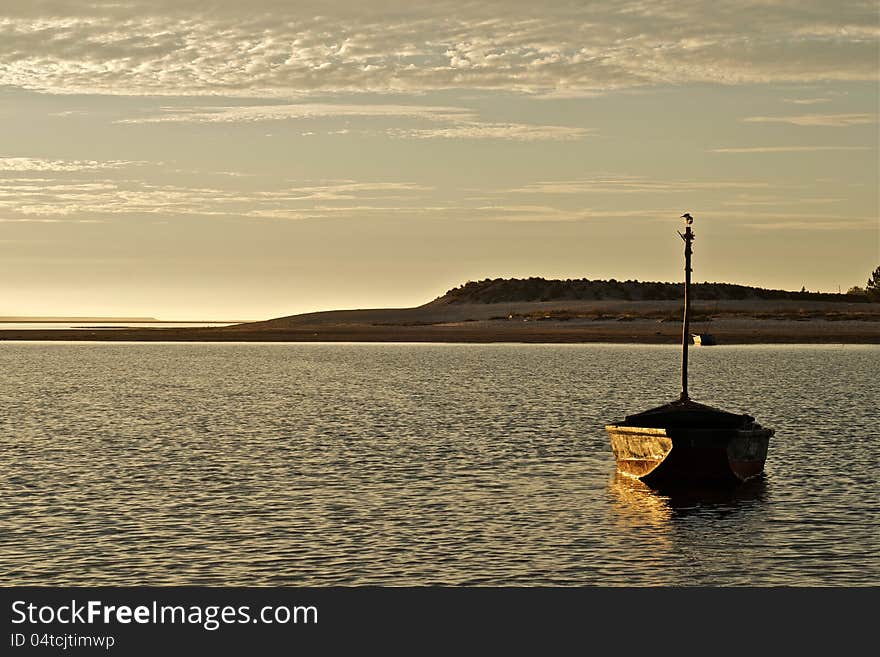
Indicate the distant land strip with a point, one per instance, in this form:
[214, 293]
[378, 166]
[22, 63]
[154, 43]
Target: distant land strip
[536, 310]
[68, 320]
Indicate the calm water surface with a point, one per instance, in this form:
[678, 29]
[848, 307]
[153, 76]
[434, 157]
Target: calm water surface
[283, 464]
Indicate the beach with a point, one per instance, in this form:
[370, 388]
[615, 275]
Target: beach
[635, 322]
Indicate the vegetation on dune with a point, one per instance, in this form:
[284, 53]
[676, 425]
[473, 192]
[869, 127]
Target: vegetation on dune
[873, 287]
[512, 290]
[704, 315]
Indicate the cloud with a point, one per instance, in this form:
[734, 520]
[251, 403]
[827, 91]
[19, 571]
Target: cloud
[259, 113]
[508, 131]
[66, 197]
[546, 213]
[343, 191]
[749, 200]
[34, 220]
[807, 101]
[825, 120]
[460, 122]
[630, 185]
[66, 193]
[23, 164]
[77, 199]
[863, 224]
[773, 220]
[271, 48]
[787, 149]
[347, 211]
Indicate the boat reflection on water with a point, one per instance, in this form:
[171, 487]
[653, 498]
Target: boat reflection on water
[634, 497]
[687, 535]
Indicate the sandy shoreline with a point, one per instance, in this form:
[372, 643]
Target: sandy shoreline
[636, 331]
[636, 322]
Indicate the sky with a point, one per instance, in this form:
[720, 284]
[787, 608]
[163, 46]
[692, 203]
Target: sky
[230, 160]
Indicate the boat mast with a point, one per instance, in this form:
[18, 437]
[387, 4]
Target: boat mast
[688, 237]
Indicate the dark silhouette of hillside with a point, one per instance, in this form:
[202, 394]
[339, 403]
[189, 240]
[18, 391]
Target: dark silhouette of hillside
[512, 290]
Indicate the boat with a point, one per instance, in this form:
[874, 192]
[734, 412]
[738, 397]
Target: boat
[702, 337]
[685, 442]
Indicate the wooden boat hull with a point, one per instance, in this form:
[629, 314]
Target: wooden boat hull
[683, 454]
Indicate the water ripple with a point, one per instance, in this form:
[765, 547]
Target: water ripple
[208, 464]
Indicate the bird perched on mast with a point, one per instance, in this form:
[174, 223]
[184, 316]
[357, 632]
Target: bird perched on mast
[688, 233]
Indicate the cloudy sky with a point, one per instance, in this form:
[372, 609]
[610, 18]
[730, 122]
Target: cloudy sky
[232, 160]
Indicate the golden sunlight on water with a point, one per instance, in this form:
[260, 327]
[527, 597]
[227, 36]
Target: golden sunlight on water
[279, 464]
[634, 502]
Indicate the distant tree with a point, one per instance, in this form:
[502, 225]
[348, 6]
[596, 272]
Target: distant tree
[872, 288]
[855, 290]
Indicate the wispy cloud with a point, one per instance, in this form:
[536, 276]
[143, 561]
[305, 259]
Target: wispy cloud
[825, 120]
[508, 131]
[445, 122]
[23, 164]
[750, 200]
[786, 149]
[548, 213]
[283, 49]
[771, 220]
[349, 211]
[43, 220]
[68, 194]
[807, 101]
[858, 224]
[631, 185]
[28, 198]
[343, 191]
[259, 113]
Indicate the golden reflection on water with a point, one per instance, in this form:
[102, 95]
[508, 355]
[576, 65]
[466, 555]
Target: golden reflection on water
[635, 499]
[689, 524]
[351, 465]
